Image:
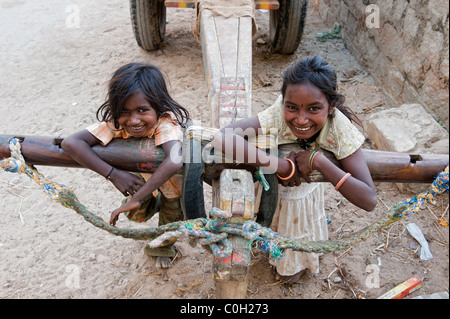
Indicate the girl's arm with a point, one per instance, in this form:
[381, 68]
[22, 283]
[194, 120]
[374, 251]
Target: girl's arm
[172, 162]
[78, 146]
[231, 142]
[359, 188]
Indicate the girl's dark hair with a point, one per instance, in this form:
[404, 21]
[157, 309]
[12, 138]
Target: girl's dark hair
[135, 77]
[318, 72]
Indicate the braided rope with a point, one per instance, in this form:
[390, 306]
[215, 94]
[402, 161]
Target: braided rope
[439, 185]
[214, 232]
[16, 164]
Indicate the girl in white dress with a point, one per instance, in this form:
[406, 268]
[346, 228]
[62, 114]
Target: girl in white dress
[311, 112]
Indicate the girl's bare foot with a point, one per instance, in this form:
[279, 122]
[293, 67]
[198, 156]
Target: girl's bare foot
[163, 262]
[169, 254]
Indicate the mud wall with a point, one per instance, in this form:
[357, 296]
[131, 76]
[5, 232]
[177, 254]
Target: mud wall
[402, 43]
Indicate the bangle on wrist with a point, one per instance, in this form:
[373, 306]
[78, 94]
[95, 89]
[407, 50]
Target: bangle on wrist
[108, 177]
[311, 159]
[292, 170]
[342, 181]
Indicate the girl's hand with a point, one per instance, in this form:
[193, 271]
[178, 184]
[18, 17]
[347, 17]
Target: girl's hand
[302, 159]
[126, 183]
[295, 179]
[130, 206]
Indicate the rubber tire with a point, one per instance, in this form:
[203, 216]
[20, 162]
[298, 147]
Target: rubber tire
[287, 25]
[192, 199]
[148, 19]
[269, 202]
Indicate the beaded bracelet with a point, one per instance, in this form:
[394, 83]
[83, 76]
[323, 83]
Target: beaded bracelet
[342, 181]
[311, 159]
[108, 177]
[292, 172]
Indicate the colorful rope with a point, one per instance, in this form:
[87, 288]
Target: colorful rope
[16, 164]
[439, 185]
[213, 233]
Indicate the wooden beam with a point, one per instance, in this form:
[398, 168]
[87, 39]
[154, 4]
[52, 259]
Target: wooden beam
[134, 155]
[141, 155]
[237, 195]
[267, 4]
[180, 4]
[259, 4]
[227, 56]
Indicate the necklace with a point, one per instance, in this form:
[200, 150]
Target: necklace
[306, 143]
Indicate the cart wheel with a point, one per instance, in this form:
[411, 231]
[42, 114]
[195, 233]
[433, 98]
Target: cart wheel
[148, 18]
[287, 24]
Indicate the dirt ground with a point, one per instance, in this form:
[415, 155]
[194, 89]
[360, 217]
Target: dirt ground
[54, 71]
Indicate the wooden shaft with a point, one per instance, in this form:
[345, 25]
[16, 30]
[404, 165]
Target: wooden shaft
[391, 167]
[403, 167]
[141, 155]
[134, 155]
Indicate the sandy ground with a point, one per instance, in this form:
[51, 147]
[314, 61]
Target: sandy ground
[54, 71]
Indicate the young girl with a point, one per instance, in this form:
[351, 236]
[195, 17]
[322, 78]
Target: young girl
[310, 112]
[138, 105]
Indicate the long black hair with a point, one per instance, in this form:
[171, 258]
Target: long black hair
[135, 77]
[317, 71]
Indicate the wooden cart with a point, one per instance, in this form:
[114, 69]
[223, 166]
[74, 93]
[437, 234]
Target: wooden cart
[287, 21]
[227, 55]
[233, 184]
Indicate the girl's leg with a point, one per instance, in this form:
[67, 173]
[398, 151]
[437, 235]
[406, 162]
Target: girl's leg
[148, 208]
[170, 211]
[300, 215]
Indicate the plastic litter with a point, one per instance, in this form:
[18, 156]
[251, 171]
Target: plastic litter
[437, 295]
[414, 230]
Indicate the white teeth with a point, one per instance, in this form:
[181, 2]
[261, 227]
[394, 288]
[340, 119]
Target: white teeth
[302, 129]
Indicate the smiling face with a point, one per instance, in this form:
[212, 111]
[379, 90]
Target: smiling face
[138, 117]
[306, 109]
